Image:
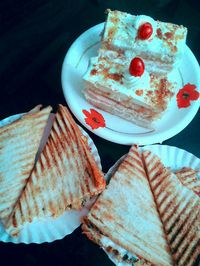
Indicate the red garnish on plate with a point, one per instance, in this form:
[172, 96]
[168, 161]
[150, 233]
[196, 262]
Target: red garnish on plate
[94, 119]
[145, 31]
[139, 92]
[136, 67]
[186, 94]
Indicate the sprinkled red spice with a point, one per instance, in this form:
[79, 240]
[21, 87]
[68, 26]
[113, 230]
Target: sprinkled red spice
[169, 34]
[161, 94]
[139, 92]
[93, 72]
[115, 76]
[159, 33]
[149, 93]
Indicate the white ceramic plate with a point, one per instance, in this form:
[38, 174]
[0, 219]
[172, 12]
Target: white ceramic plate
[116, 129]
[172, 157]
[50, 229]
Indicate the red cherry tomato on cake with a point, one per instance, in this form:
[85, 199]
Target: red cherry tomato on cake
[136, 67]
[145, 31]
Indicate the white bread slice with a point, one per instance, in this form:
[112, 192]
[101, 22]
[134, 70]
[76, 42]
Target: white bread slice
[19, 143]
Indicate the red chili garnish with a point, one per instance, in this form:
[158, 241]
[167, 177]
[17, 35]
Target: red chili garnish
[186, 94]
[136, 67]
[94, 119]
[145, 31]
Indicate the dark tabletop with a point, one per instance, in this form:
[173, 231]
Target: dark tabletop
[34, 38]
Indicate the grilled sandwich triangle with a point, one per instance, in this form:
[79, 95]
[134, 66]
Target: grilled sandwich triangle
[65, 176]
[19, 143]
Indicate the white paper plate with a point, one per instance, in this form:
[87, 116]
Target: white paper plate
[50, 229]
[172, 157]
[118, 130]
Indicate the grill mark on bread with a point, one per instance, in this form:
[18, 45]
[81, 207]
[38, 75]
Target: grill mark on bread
[165, 197]
[194, 252]
[181, 227]
[170, 229]
[191, 252]
[178, 207]
[181, 249]
[140, 170]
[160, 185]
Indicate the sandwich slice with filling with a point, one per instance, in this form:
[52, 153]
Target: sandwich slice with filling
[124, 220]
[65, 176]
[179, 211]
[19, 143]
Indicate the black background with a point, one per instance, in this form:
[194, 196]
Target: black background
[34, 38]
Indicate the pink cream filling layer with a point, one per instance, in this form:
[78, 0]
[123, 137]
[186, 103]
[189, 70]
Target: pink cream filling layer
[136, 113]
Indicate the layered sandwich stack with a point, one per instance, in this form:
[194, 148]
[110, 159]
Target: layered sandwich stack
[146, 215]
[64, 176]
[129, 77]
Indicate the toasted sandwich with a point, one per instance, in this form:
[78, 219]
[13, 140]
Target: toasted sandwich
[179, 210]
[19, 143]
[124, 220]
[65, 176]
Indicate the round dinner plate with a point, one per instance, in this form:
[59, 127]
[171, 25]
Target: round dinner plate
[111, 127]
[49, 229]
